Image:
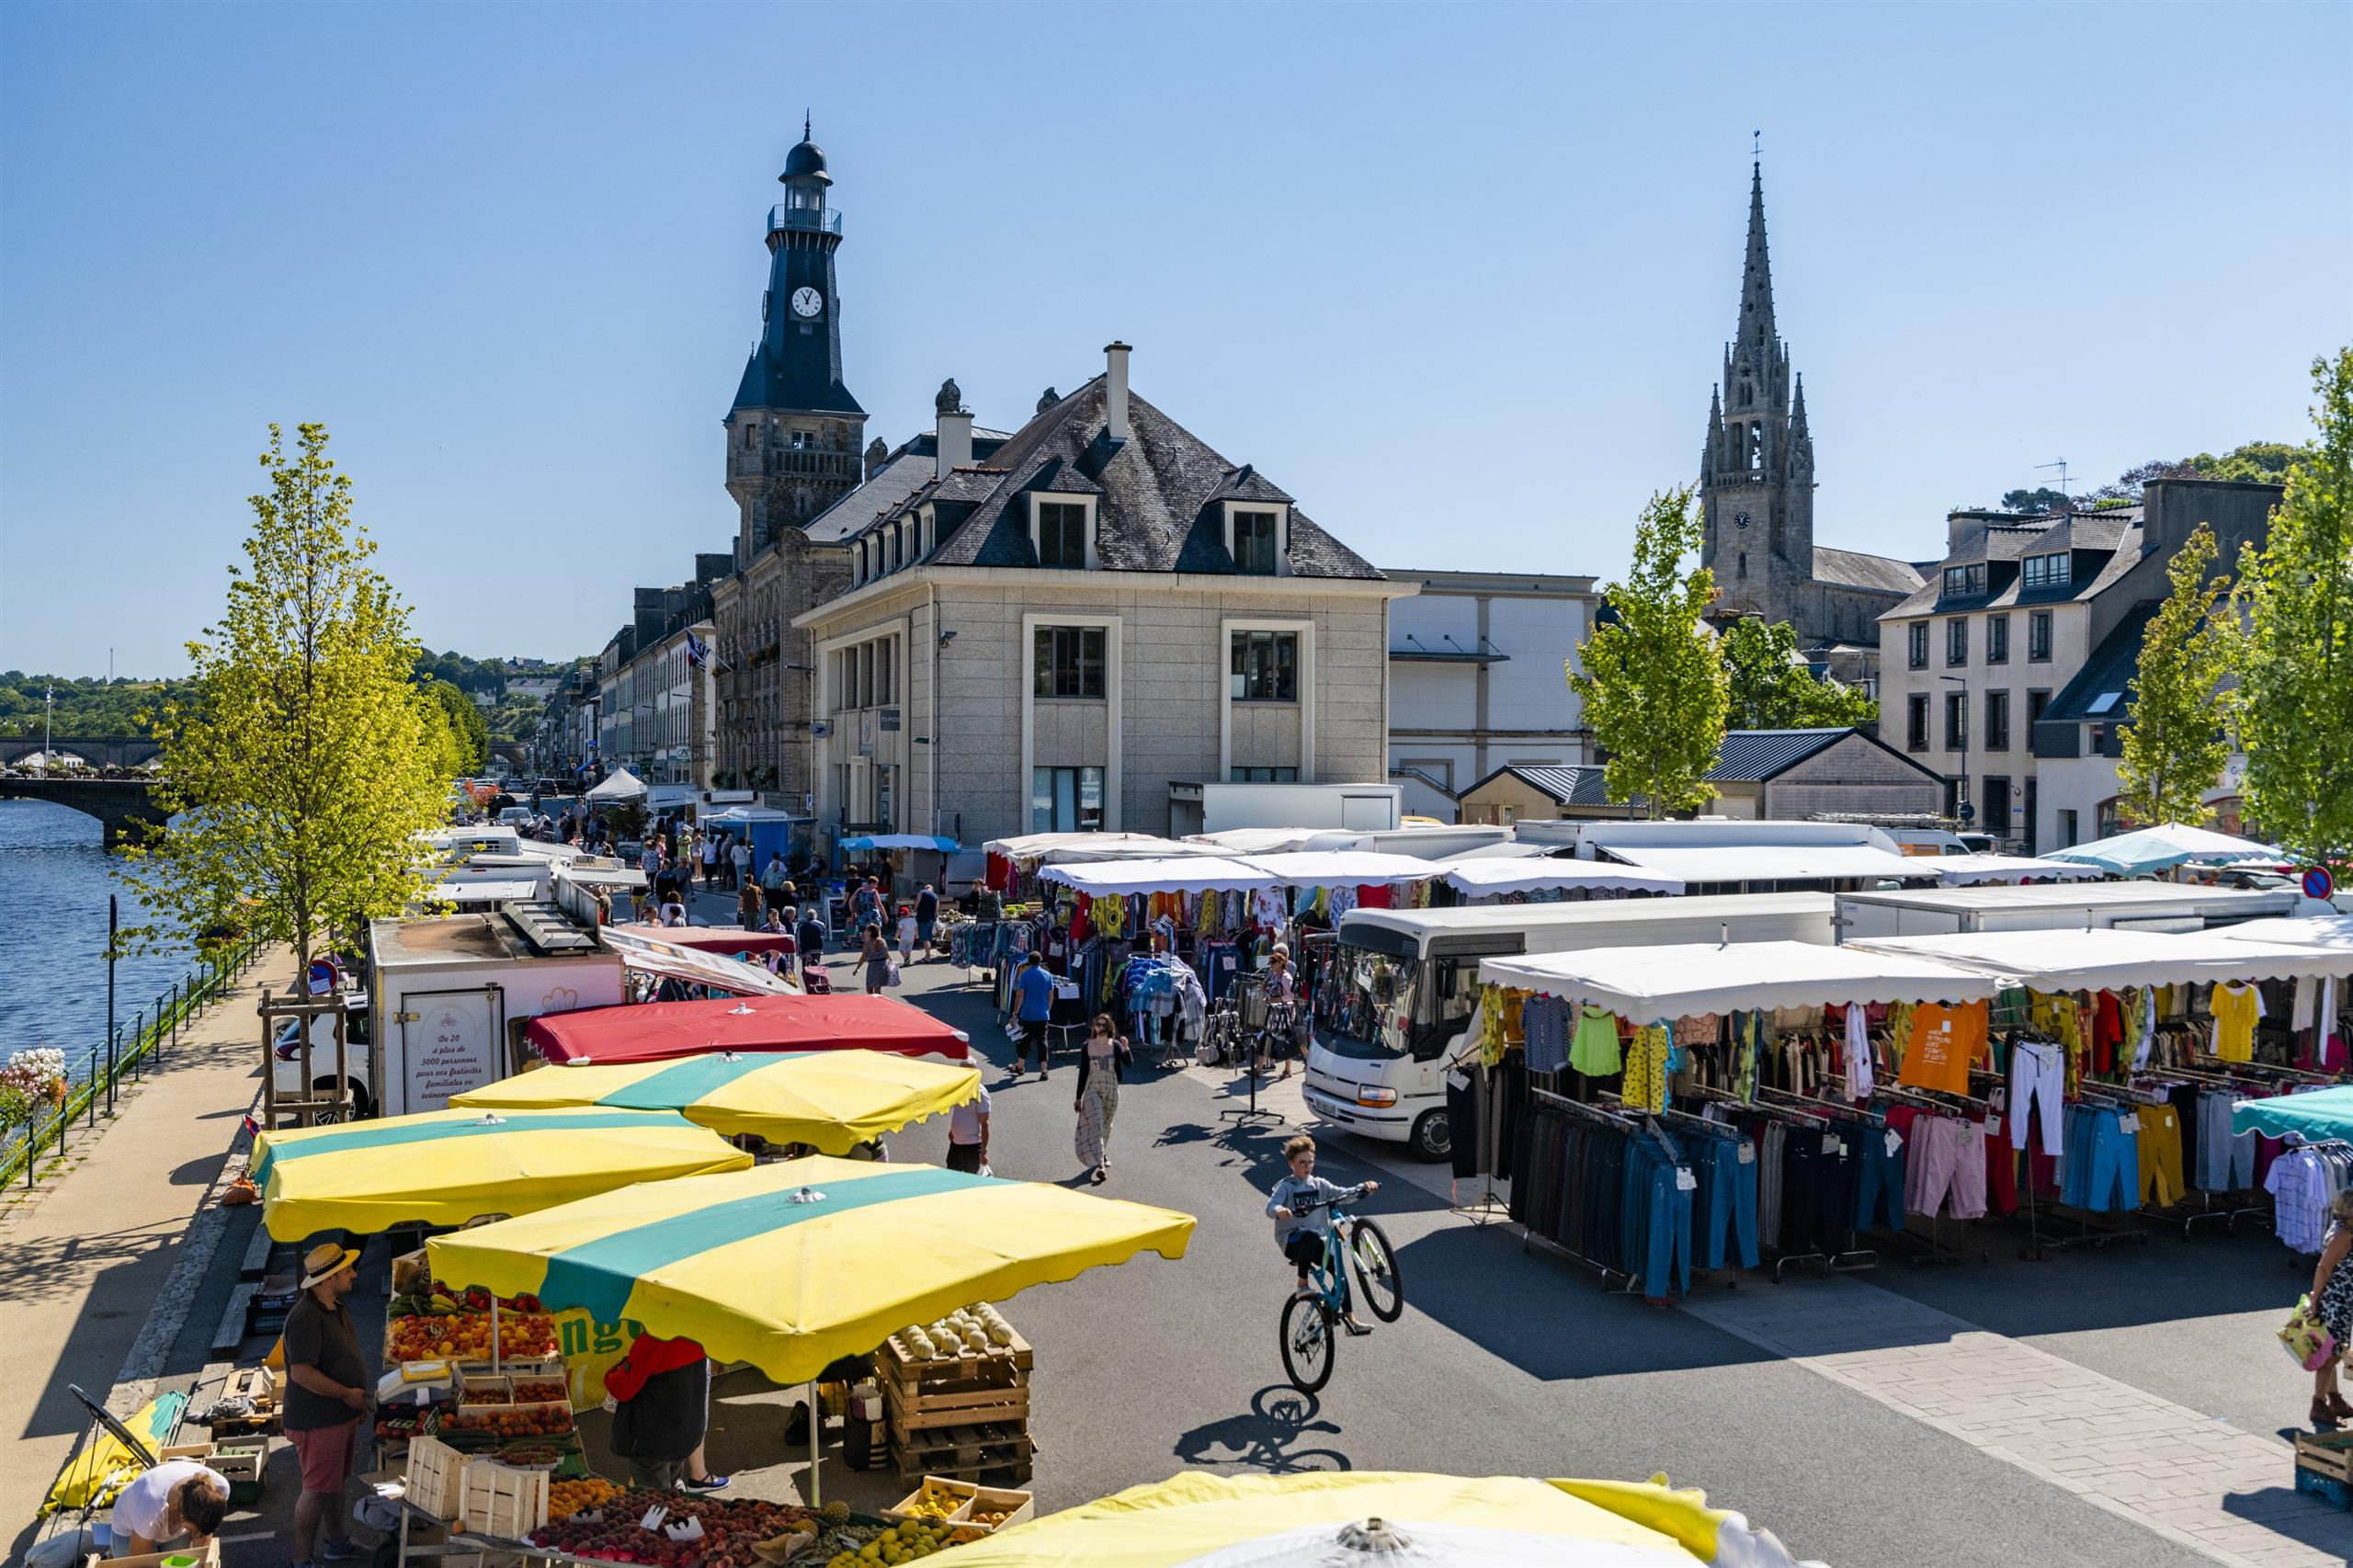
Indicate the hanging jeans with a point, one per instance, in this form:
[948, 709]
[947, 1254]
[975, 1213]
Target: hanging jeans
[1727, 1172]
[1656, 1216]
[2103, 1164]
[1947, 1158]
[1879, 1185]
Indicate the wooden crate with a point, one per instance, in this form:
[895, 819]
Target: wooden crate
[241, 1465]
[965, 1453]
[208, 1558]
[434, 1469]
[904, 1509]
[1020, 1506]
[2326, 1453]
[499, 1500]
[999, 1360]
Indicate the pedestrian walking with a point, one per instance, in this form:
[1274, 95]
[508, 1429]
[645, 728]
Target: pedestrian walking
[1283, 993]
[326, 1395]
[1099, 1071]
[968, 1135]
[710, 861]
[2332, 1305]
[1033, 992]
[772, 880]
[876, 960]
[748, 912]
[866, 908]
[907, 935]
[809, 931]
[927, 917]
[739, 859]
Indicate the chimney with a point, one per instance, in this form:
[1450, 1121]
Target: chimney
[1115, 390]
[952, 430]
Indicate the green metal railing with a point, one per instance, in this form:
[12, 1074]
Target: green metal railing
[153, 1031]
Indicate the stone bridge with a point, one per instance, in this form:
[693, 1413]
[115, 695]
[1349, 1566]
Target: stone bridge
[120, 804]
[98, 751]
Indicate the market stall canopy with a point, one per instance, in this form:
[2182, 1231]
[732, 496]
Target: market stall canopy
[2169, 843]
[793, 1266]
[660, 1031]
[444, 1167]
[1275, 840]
[2108, 959]
[2334, 931]
[601, 876]
[736, 817]
[831, 1100]
[1205, 873]
[939, 842]
[2322, 1114]
[1530, 873]
[1066, 848]
[1679, 980]
[688, 965]
[720, 939]
[1773, 862]
[1343, 868]
[618, 785]
[1970, 870]
[1295, 1520]
[486, 889]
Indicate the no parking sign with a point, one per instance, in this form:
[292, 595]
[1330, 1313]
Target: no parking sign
[2318, 883]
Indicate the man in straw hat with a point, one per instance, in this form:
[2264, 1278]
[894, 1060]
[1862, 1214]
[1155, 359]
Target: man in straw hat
[326, 1395]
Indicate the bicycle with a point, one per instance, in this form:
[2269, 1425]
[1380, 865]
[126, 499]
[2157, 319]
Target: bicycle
[1311, 1323]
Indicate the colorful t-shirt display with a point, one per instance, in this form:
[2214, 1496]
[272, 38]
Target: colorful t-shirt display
[1593, 1050]
[1946, 1042]
[2236, 1009]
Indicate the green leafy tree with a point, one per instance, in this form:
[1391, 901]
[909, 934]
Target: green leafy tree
[1770, 688]
[468, 729]
[2295, 653]
[2176, 743]
[307, 762]
[1653, 686]
[2041, 498]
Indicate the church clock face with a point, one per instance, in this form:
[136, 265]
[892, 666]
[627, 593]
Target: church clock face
[1740, 519]
[807, 302]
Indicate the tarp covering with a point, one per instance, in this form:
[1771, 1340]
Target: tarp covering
[618, 785]
[2169, 843]
[693, 966]
[1530, 873]
[1275, 840]
[939, 842]
[653, 1031]
[485, 889]
[1343, 868]
[1204, 873]
[1677, 980]
[1970, 870]
[2324, 1113]
[1067, 848]
[2106, 960]
[1772, 862]
[713, 938]
[2314, 931]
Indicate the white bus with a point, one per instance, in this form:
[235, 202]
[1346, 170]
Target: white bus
[1396, 1004]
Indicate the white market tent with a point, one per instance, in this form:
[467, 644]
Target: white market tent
[1971, 870]
[1073, 848]
[1476, 877]
[692, 966]
[2108, 959]
[2332, 931]
[1681, 978]
[2168, 845]
[1343, 868]
[620, 785]
[1195, 873]
[1253, 841]
[1772, 862]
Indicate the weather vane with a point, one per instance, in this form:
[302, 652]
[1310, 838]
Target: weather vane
[1756, 143]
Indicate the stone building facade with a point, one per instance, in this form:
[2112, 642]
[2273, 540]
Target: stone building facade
[1756, 483]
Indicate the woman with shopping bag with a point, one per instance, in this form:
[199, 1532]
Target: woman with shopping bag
[2331, 1304]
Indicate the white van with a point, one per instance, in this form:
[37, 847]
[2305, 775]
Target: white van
[1397, 1002]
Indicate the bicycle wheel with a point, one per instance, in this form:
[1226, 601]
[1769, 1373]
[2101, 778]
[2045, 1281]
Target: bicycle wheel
[1307, 1343]
[1378, 1275]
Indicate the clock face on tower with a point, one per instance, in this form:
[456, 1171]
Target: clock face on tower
[807, 302]
[1740, 519]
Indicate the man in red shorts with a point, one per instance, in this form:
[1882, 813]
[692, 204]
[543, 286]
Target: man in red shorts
[326, 1395]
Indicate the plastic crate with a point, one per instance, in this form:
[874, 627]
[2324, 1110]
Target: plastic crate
[2336, 1494]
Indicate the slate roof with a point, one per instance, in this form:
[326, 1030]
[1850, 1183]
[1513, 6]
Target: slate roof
[2103, 687]
[1853, 569]
[903, 473]
[1155, 490]
[1572, 784]
[1751, 756]
[780, 380]
[2117, 530]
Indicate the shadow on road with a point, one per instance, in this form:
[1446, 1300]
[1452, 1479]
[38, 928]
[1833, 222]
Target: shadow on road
[1265, 1438]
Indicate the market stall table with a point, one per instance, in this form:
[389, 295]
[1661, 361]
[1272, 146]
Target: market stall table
[655, 1032]
[831, 1100]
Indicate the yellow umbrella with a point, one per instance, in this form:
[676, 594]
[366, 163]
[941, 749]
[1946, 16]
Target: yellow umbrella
[444, 1167]
[1326, 1518]
[791, 1265]
[832, 1100]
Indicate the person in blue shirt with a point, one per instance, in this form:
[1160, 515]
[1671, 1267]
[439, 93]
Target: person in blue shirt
[1033, 991]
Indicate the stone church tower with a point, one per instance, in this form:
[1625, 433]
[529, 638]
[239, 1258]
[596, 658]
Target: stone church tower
[1757, 486]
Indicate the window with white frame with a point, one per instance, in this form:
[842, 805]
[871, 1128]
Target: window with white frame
[1068, 661]
[1265, 667]
[1062, 534]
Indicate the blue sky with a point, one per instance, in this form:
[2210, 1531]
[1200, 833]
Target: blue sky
[1457, 277]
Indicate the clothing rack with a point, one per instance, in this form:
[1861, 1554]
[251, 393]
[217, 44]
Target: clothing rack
[1487, 1209]
[1852, 1259]
[1526, 1235]
[1936, 1250]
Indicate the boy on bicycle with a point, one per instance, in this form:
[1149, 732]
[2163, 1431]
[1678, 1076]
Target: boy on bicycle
[1305, 1236]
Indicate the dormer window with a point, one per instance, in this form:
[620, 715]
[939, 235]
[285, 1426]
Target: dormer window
[1062, 534]
[1965, 581]
[2051, 571]
[1254, 543]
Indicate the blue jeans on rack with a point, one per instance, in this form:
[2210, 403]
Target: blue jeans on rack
[1882, 1172]
[1728, 1187]
[1657, 1220]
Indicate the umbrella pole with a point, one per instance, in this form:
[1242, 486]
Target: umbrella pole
[816, 1487]
[494, 1367]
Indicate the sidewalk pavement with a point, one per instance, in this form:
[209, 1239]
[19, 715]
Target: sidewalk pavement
[92, 1287]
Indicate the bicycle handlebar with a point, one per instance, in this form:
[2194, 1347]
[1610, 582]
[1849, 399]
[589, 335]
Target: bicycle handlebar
[1346, 1195]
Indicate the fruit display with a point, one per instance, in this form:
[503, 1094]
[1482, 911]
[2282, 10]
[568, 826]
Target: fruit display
[989, 1517]
[510, 1421]
[438, 1300]
[566, 1498]
[903, 1542]
[528, 1456]
[968, 1330]
[467, 1335]
[938, 1499]
[737, 1533]
[541, 1391]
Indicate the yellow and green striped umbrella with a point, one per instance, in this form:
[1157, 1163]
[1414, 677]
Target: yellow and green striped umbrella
[444, 1167]
[1310, 1519]
[831, 1100]
[794, 1264]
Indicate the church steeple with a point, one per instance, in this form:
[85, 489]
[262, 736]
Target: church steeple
[1756, 276]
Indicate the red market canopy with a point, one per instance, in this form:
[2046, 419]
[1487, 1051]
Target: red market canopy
[655, 1032]
[727, 939]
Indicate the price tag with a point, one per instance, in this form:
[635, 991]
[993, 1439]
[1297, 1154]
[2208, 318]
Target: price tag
[1748, 1152]
[1993, 1127]
[1830, 1144]
[1226, 963]
[1457, 1080]
[1684, 1180]
[2129, 1124]
[1895, 1142]
[654, 1517]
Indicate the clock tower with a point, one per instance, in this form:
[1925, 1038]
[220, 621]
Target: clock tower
[1756, 465]
[795, 437]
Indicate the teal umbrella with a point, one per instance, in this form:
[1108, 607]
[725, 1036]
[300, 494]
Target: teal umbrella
[2324, 1113]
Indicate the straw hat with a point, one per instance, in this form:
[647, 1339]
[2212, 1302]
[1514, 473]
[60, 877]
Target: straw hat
[325, 1261]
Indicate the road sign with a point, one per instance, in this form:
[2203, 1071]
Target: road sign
[2318, 883]
[1966, 812]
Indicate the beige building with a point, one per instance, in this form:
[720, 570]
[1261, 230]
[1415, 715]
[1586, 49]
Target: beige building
[1759, 775]
[1105, 608]
[2010, 671]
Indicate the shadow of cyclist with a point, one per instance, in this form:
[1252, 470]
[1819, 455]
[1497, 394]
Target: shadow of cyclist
[1279, 1417]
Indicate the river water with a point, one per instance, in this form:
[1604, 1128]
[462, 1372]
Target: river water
[54, 881]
